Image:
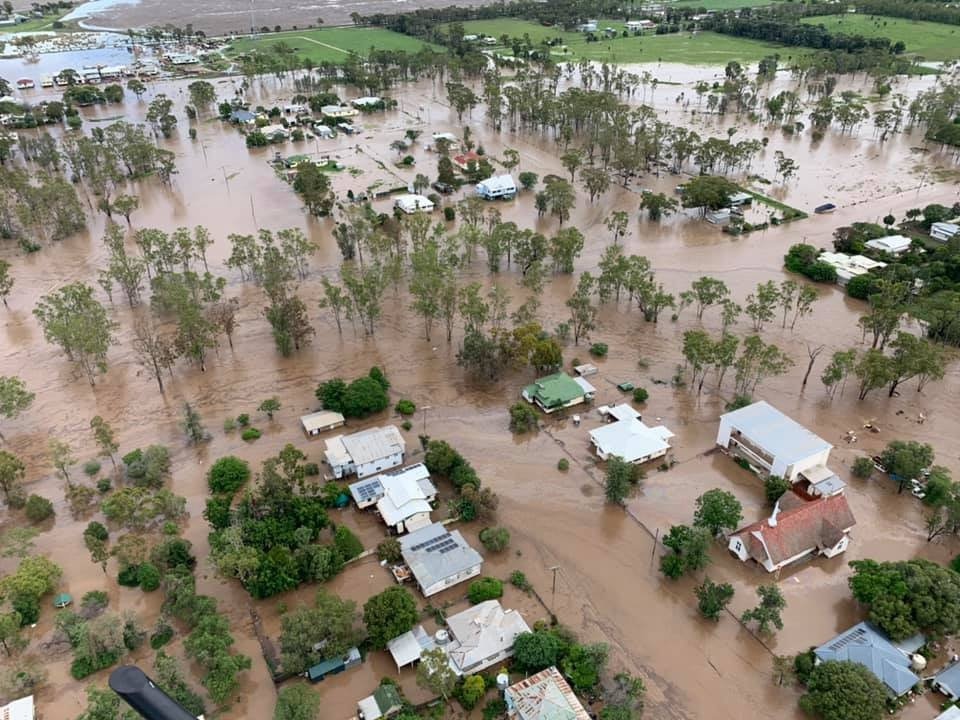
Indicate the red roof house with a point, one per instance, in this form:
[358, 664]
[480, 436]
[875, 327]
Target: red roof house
[462, 161]
[796, 529]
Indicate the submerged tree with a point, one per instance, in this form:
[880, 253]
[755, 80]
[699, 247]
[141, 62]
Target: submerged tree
[73, 319]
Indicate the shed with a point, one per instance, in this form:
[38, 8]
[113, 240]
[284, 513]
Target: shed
[718, 217]
[335, 665]
[318, 422]
[384, 702]
[62, 600]
[406, 649]
[586, 370]
[324, 131]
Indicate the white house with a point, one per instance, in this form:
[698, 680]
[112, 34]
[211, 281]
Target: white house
[771, 442]
[439, 558]
[481, 636]
[324, 132]
[366, 102]
[628, 437]
[365, 453]
[338, 111]
[796, 529]
[543, 696]
[367, 493]
[21, 709]
[641, 25]
[411, 203]
[943, 231]
[498, 186]
[407, 496]
[893, 244]
[318, 422]
[849, 266]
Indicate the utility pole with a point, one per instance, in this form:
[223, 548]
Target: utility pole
[425, 408]
[553, 595]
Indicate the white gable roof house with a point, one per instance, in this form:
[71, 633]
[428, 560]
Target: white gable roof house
[498, 186]
[439, 558]
[366, 452]
[367, 493]
[893, 244]
[629, 438]
[481, 636]
[405, 505]
[772, 443]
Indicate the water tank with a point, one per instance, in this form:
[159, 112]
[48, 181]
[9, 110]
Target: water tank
[503, 680]
[918, 662]
[442, 637]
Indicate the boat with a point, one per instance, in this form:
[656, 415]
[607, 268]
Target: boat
[46, 82]
[825, 209]
[25, 84]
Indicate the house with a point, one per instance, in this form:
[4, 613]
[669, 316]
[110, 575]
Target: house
[366, 452]
[865, 644]
[367, 493]
[849, 266]
[369, 102]
[947, 681]
[384, 702]
[318, 422]
[91, 77]
[543, 696]
[111, 72]
[411, 203]
[718, 217]
[771, 442]
[481, 636]
[184, 59]
[406, 649]
[338, 111]
[334, 666]
[407, 496]
[242, 117]
[796, 529]
[21, 709]
[629, 438]
[557, 391]
[893, 244]
[498, 186]
[439, 558]
[463, 161]
[275, 133]
[943, 231]
[324, 132]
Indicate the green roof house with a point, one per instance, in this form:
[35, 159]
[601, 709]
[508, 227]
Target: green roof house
[557, 391]
[384, 702]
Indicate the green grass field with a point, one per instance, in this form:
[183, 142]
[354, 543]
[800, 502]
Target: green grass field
[705, 48]
[722, 4]
[331, 44]
[34, 25]
[932, 41]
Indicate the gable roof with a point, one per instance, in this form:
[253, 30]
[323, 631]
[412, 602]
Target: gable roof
[555, 390]
[498, 183]
[890, 243]
[866, 645]
[374, 444]
[948, 679]
[433, 554]
[480, 632]
[545, 696]
[405, 494]
[799, 527]
[781, 436]
[631, 439]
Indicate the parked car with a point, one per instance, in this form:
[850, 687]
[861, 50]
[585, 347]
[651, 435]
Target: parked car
[443, 188]
[878, 464]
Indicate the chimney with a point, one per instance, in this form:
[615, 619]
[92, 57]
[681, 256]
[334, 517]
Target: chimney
[772, 520]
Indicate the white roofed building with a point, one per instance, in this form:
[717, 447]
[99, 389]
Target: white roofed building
[498, 186]
[367, 493]
[439, 558]
[893, 244]
[482, 636]
[543, 696]
[849, 266]
[629, 438]
[943, 231]
[406, 502]
[318, 422]
[21, 709]
[365, 453]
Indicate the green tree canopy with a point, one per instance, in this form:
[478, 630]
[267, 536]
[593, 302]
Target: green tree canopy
[330, 624]
[718, 510]
[389, 614]
[844, 691]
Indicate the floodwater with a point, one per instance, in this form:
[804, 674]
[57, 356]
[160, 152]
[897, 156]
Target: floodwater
[607, 585]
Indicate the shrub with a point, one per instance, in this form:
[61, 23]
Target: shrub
[495, 539]
[380, 376]
[91, 467]
[149, 577]
[495, 708]
[28, 607]
[739, 401]
[93, 603]
[389, 550]
[311, 469]
[563, 464]
[406, 425]
[85, 666]
[243, 419]
[129, 576]
[471, 692]
[229, 425]
[38, 508]
[640, 395]
[519, 581]
[523, 418]
[97, 530]
[774, 487]
[599, 349]
[364, 396]
[104, 484]
[449, 214]
[464, 474]
[161, 635]
[228, 474]
[250, 434]
[486, 588]
[405, 407]
[862, 468]
[347, 545]
[170, 528]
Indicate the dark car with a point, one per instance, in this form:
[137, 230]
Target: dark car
[443, 188]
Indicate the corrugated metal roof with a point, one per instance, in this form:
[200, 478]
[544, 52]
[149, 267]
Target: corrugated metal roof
[630, 439]
[865, 645]
[545, 696]
[781, 436]
[373, 444]
[480, 632]
[433, 554]
[322, 419]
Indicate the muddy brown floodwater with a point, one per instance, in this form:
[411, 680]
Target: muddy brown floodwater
[608, 587]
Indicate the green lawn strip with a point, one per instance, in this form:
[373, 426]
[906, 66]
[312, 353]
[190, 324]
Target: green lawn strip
[721, 4]
[330, 44]
[930, 40]
[37, 24]
[789, 213]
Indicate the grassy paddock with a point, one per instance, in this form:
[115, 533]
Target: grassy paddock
[704, 48]
[330, 44]
[932, 41]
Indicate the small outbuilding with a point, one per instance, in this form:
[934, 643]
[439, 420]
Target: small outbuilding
[439, 558]
[318, 422]
[333, 666]
[384, 702]
[406, 649]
